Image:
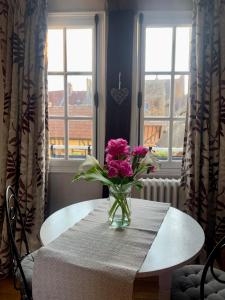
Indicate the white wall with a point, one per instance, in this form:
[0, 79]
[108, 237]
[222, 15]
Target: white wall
[62, 191]
[97, 5]
[164, 4]
[75, 5]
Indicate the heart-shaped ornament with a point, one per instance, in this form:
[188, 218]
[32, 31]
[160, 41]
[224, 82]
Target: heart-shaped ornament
[119, 95]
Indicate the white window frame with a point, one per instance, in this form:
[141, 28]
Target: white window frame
[168, 168]
[76, 20]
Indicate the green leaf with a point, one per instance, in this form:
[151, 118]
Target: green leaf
[93, 175]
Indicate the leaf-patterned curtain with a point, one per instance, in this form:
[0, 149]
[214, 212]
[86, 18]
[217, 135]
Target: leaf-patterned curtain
[23, 115]
[203, 171]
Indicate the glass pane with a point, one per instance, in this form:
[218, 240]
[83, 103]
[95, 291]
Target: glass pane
[178, 139]
[158, 49]
[56, 98]
[79, 49]
[181, 90]
[80, 138]
[56, 138]
[157, 95]
[79, 90]
[55, 50]
[156, 135]
[182, 48]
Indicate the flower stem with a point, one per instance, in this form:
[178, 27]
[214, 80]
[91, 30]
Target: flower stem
[120, 202]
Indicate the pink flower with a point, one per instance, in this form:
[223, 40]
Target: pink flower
[117, 148]
[108, 158]
[152, 169]
[126, 169]
[114, 168]
[114, 164]
[120, 168]
[140, 151]
[113, 172]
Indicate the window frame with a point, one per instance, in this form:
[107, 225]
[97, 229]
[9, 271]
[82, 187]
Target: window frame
[81, 20]
[169, 168]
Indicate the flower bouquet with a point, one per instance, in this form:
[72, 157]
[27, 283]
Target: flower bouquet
[120, 173]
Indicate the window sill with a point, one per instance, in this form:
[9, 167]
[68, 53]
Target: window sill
[165, 173]
[64, 166]
[167, 169]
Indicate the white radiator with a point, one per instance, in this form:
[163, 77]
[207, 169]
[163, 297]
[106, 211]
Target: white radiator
[161, 190]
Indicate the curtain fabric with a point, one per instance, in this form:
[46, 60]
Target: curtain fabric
[203, 170]
[23, 116]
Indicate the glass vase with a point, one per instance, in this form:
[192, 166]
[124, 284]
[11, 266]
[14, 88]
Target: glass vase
[119, 206]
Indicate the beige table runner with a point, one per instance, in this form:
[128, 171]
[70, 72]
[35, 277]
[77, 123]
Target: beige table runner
[91, 261]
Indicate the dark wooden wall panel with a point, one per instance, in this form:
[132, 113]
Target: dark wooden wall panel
[119, 59]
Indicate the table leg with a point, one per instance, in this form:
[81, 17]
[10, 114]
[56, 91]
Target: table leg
[165, 285]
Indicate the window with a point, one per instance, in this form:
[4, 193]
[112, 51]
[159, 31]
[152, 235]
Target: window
[165, 86]
[72, 82]
[166, 77]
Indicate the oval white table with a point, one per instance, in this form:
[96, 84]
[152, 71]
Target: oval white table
[179, 240]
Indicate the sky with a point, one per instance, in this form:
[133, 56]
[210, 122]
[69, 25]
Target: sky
[79, 56]
[79, 53]
[158, 49]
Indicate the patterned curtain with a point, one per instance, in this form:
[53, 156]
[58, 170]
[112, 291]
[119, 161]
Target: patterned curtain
[23, 116]
[203, 171]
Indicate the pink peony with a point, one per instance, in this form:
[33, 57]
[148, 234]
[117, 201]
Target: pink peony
[140, 151]
[126, 169]
[108, 158]
[117, 148]
[113, 172]
[114, 168]
[119, 168]
[114, 164]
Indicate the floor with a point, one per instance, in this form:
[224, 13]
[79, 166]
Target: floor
[7, 291]
[143, 289]
[146, 288]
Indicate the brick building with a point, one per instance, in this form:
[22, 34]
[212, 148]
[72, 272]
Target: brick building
[157, 99]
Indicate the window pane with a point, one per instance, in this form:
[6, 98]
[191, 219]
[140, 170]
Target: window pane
[79, 50]
[157, 95]
[56, 138]
[55, 50]
[55, 95]
[158, 49]
[79, 90]
[80, 138]
[181, 90]
[178, 139]
[182, 48]
[156, 135]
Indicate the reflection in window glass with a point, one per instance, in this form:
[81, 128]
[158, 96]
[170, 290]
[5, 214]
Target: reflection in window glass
[56, 138]
[156, 135]
[157, 95]
[79, 91]
[79, 49]
[178, 139]
[181, 91]
[182, 48]
[80, 138]
[55, 54]
[70, 96]
[166, 89]
[56, 100]
[158, 49]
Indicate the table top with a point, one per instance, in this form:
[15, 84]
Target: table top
[179, 239]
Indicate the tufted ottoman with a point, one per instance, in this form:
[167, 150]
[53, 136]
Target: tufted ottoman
[186, 284]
